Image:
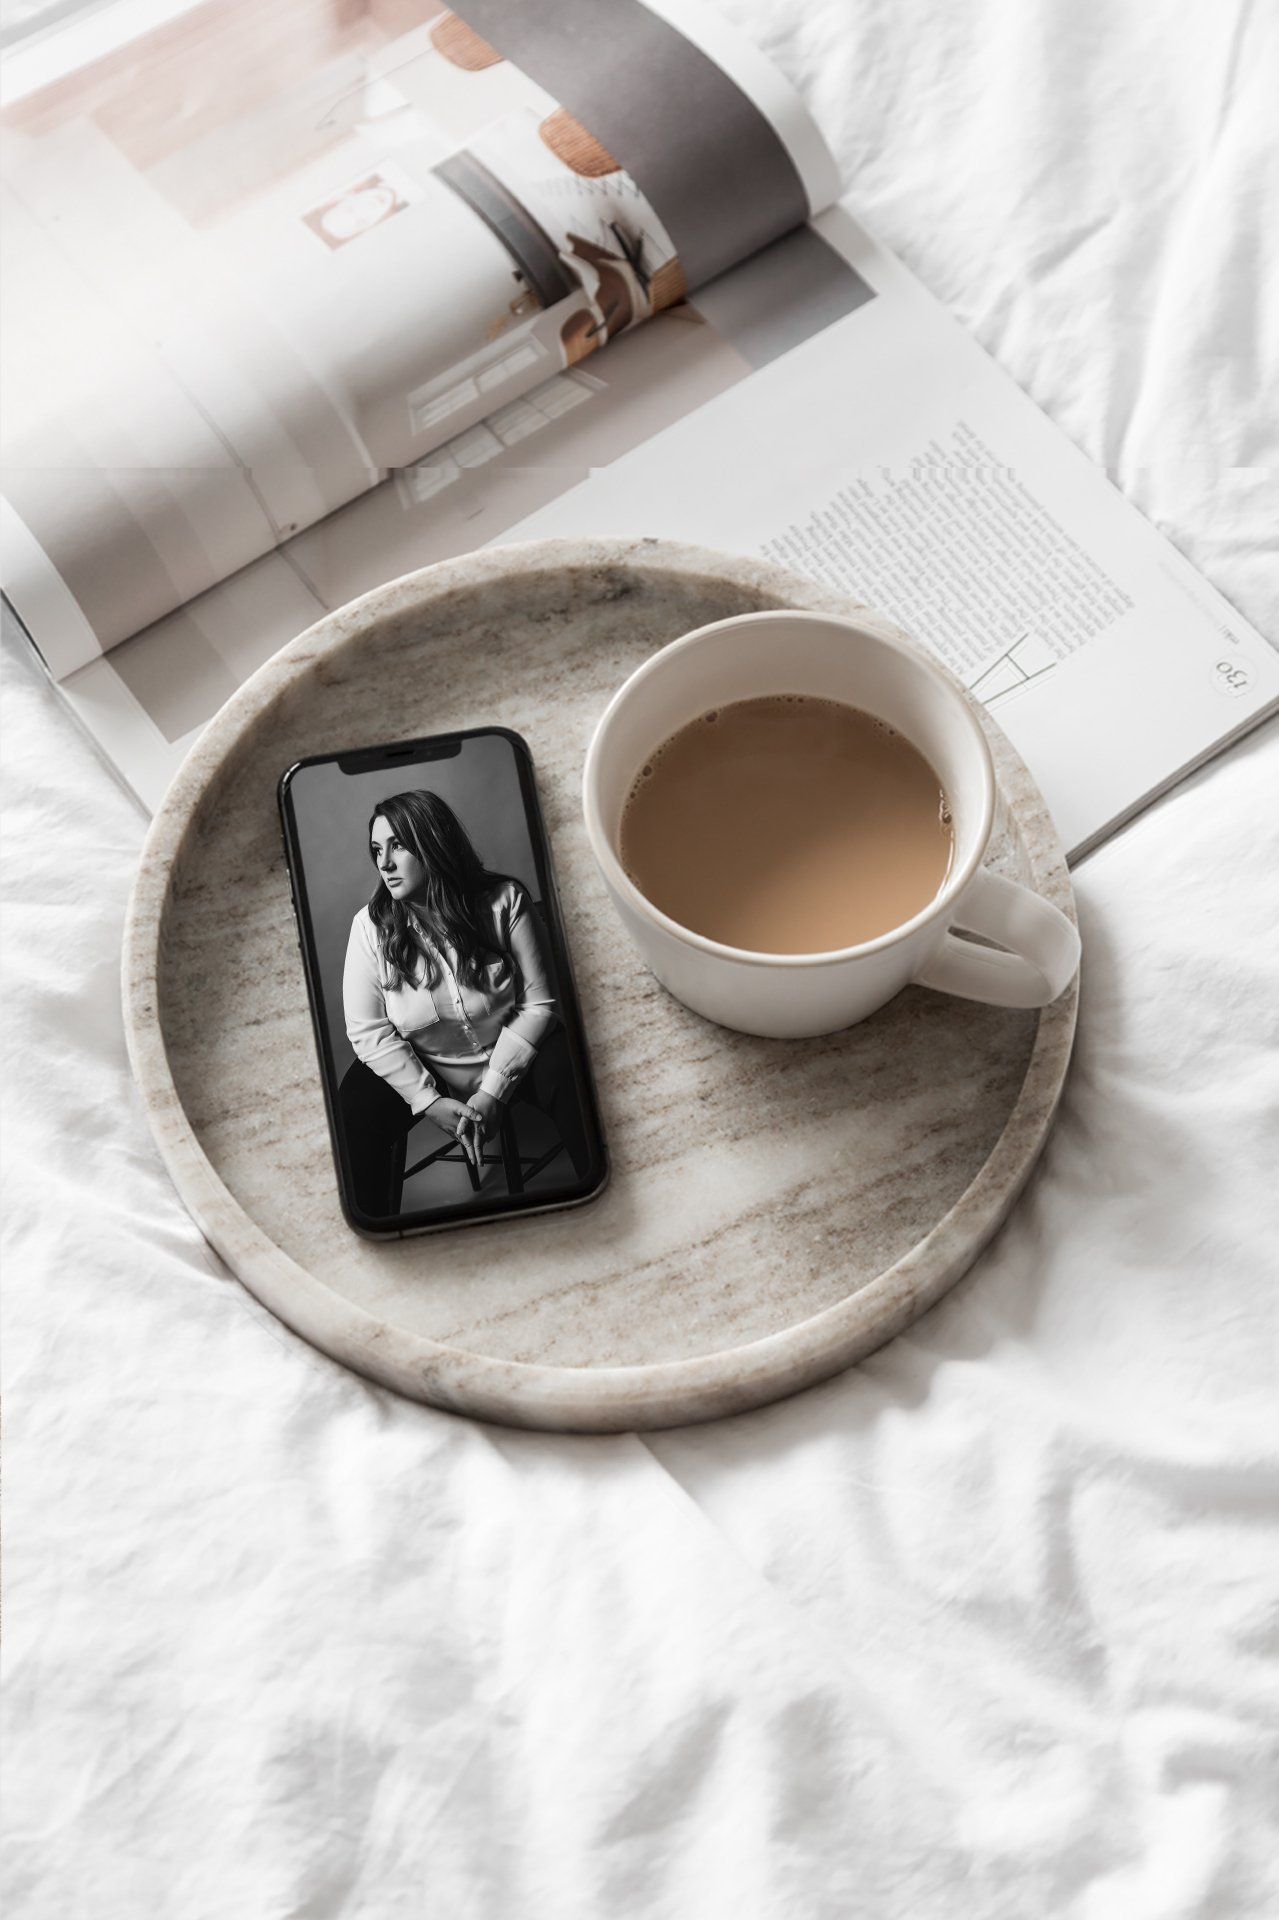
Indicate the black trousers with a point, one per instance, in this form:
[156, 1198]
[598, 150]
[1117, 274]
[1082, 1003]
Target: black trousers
[376, 1123]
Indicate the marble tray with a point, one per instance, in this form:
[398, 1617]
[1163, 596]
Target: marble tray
[777, 1209]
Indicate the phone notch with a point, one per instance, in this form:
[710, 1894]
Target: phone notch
[367, 759]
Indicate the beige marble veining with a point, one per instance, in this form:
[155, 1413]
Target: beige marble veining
[777, 1208]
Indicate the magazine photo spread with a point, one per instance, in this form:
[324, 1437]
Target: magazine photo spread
[237, 301]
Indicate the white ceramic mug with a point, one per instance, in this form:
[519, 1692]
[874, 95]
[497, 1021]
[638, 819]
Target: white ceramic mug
[790, 995]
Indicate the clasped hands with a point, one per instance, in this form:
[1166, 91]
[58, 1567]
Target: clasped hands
[469, 1122]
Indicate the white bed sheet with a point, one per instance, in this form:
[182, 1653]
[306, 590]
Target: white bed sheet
[985, 1627]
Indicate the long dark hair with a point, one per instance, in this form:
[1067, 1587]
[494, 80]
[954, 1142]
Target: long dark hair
[456, 880]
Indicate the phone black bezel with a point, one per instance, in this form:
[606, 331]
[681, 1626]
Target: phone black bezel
[498, 1207]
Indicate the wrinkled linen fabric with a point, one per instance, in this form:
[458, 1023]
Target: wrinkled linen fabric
[986, 1626]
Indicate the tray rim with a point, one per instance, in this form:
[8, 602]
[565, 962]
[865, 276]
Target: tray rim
[585, 1399]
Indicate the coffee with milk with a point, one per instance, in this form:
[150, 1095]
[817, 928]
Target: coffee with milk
[787, 824]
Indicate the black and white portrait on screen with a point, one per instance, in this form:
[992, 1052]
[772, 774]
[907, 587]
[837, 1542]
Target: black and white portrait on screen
[456, 1082]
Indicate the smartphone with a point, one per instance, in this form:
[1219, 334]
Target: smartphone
[453, 1059]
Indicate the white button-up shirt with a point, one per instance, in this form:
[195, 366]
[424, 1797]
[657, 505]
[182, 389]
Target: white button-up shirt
[450, 1038]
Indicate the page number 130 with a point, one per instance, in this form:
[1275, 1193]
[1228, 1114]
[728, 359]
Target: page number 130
[1233, 676]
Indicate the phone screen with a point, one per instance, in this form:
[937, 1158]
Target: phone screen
[451, 1049]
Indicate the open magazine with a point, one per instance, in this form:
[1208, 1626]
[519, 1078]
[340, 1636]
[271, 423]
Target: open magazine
[301, 298]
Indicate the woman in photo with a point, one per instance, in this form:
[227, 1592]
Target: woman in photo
[447, 990]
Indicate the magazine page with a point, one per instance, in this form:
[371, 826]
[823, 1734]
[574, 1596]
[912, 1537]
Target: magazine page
[892, 459]
[260, 259]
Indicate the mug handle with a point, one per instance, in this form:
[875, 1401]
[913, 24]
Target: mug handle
[1044, 943]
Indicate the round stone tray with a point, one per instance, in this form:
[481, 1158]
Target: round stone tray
[777, 1209]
